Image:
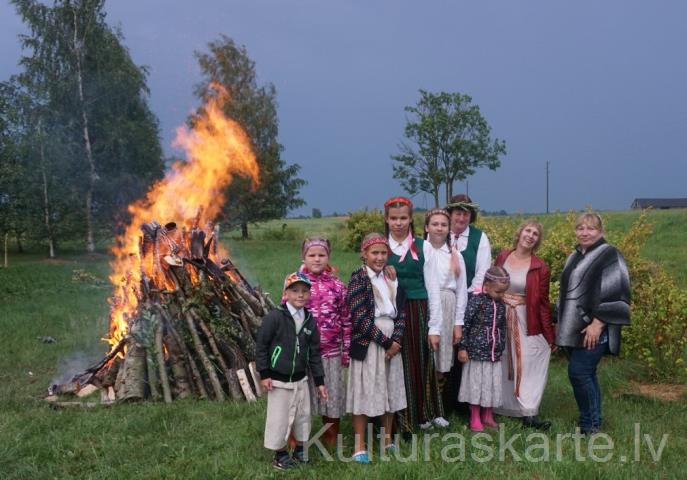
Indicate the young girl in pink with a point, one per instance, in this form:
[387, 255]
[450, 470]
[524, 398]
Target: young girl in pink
[480, 349]
[328, 306]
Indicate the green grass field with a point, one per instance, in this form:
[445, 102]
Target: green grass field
[208, 440]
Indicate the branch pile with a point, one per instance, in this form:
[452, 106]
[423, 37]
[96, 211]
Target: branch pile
[193, 334]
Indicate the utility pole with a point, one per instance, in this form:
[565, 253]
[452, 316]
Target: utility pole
[547, 186]
[467, 188]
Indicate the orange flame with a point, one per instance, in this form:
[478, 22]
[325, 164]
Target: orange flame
[217, 148]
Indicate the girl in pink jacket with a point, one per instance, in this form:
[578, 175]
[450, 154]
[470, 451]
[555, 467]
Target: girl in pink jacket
[327, 304]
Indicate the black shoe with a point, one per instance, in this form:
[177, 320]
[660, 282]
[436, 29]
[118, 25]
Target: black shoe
[535, 422]
[284, 462]
[590, 431]
[299, 456]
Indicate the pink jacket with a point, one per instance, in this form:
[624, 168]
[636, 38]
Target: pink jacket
[328, 305]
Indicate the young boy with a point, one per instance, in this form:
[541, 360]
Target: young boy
[288, 344]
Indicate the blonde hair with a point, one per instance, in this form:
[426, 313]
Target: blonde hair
[592, 219]
[521, 227]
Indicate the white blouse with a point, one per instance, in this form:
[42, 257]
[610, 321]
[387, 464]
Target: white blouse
[387, 307]
[438, 276]
[483, 261]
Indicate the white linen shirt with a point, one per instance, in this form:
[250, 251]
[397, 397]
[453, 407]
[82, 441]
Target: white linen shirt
[438, 276]
[483, 261]
[387, 307]
[298, 316]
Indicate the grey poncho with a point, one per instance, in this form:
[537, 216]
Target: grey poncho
[594, 284]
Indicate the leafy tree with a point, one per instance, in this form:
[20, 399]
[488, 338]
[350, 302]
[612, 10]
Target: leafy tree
[93, 95]
[450, 141]
[316, 213]
[255, 108]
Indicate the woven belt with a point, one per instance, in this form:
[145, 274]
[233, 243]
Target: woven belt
[513, 337]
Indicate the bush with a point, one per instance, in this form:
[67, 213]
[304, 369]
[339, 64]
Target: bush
[361, 223]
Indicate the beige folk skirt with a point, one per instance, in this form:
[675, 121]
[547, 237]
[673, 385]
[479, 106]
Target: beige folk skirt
[334, 406]
[375, 384]
[443, 357]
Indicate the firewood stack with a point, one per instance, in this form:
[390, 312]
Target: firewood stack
[193, 330]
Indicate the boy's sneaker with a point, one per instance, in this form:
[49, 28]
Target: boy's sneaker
[299, 456]
[284, 462]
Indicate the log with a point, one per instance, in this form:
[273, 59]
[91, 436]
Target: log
[151, 374]
[86, 390]
[256, 378]
[235, 394]
[110, 377]
[87, 405]
[131, 379]
[159, 350]
[250, 300]
[245, 386]
[195, 372]
[209, 367]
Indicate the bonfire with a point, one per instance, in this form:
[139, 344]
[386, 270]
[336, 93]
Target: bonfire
[183, 319]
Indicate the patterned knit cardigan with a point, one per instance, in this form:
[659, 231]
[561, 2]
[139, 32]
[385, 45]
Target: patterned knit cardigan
[361, 304]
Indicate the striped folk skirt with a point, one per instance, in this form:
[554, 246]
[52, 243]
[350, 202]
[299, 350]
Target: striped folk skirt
[422, 389]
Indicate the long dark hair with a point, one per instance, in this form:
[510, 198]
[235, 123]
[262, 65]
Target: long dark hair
[398, 204]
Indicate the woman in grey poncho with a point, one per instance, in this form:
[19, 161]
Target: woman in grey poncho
[594, 303]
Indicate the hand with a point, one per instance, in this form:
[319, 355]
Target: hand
[390, 272]
[554, 348]
[392, 350]
[322, 392]
[433, 341]
[592, 332]
[463, 356]
[266, 384]
[345, 361]
[457, 334]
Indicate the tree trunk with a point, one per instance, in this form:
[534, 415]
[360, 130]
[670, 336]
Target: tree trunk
[93, 176]
[7, 236]
[244, 230]
[20, 247]
[46, 198]
[435, 194]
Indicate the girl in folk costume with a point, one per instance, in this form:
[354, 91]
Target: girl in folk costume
[375, 377]
[446, 267]
[328, 306]
[484, 338]
[531, 336]
[407, 257]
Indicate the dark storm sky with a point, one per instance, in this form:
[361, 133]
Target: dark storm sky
[598, 88]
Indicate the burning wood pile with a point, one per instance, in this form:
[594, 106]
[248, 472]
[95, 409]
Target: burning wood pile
[194, 330]
[183, 319]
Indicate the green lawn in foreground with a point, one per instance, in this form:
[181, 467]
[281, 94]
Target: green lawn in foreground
[207, 440]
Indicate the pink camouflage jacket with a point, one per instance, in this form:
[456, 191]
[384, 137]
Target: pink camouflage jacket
[328, 305]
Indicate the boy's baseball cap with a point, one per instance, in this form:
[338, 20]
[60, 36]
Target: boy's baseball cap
[295, 277]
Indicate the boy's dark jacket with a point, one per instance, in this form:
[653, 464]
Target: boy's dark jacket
[283, 355]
